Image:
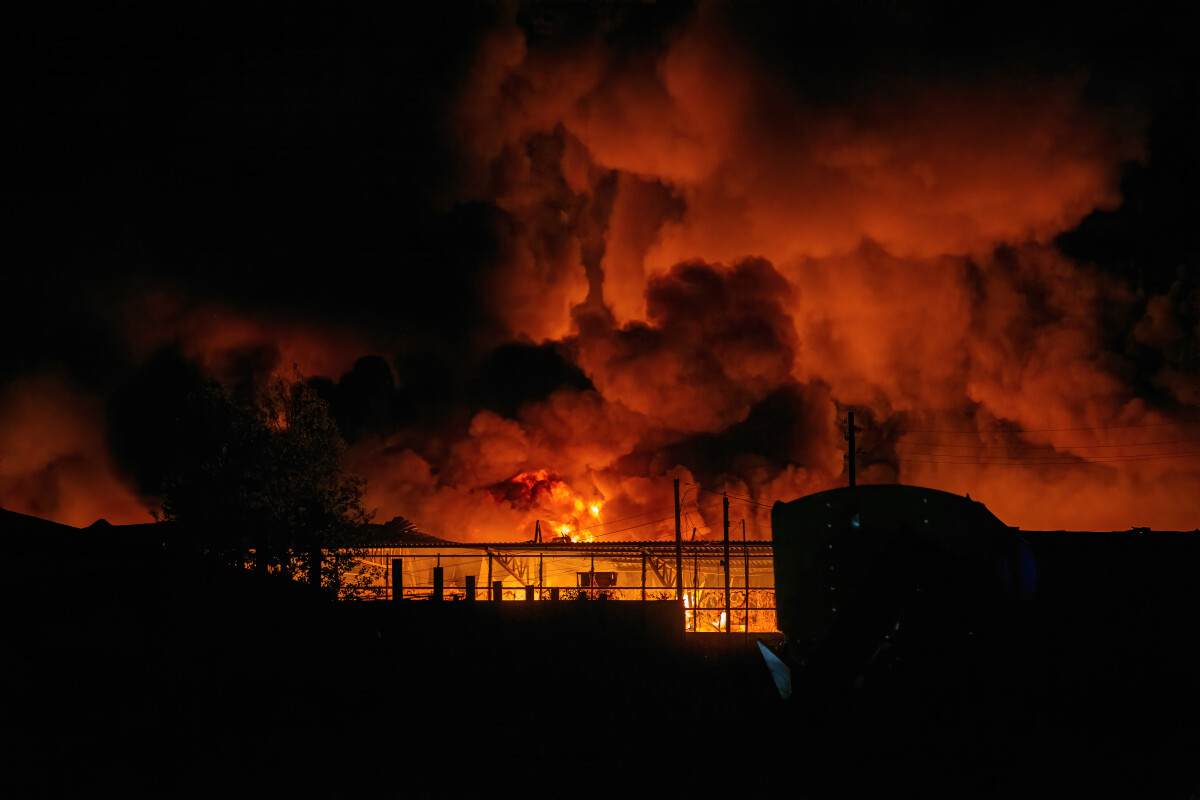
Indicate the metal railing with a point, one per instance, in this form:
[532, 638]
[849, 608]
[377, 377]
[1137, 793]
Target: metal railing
[759, 617]
[752, 612]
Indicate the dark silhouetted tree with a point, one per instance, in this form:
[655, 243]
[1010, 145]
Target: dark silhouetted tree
[260, 482]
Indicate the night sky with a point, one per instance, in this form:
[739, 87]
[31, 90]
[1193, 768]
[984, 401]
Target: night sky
[544, 256]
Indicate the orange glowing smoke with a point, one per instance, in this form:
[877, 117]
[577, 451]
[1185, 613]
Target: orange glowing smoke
[233, 345]
[733, 266]
[893, 255]
[54, 461]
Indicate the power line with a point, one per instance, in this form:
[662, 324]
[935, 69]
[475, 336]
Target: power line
[1040, 462]
[732, 496]
[623, 519]
[1057, 456]
[1061, 458]
[1045, 446]
[632, 527]
[1049, 430]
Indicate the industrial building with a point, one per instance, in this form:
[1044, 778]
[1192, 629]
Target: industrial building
[554, 571]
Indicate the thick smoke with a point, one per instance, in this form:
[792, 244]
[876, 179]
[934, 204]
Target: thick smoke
[54, 460]
[695, 265]
[894, 254]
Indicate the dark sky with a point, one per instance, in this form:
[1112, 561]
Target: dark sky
[219, 188]
[233, 149]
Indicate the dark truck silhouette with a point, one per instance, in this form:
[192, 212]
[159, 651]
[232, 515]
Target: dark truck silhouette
[870, 567]
[918, 622]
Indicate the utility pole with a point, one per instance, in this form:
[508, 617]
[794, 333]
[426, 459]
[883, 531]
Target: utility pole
[851, 451]
[725, 512]
[695, 586]
[678, 548]
[643, 576]
[746, 561]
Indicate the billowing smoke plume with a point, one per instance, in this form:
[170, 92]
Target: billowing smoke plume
[54, 460]
[696, 264]
[769, 263]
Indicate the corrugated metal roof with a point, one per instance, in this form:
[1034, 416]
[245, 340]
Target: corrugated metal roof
[760, 553]
[577, 547]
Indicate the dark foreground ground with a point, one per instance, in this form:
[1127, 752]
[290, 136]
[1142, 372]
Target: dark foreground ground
[195, 683]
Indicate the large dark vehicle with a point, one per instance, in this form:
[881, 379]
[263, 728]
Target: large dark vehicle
[919, 625]
[863, 572]
[904, 611]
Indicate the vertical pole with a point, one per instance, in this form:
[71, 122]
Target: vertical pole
[678, 548]
[541, 574]
[592, 577]
[497, 590]
[725, 513]
[529, 593]
[695, 585]
[470, 580]
[643, 576]
[746, 558]
[437, 584]
[397, 578]
[850, 450]
[490, 596]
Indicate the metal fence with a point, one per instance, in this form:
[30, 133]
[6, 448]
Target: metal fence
[507, 573]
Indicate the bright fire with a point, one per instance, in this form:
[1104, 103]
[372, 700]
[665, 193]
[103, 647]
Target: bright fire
[547, 497]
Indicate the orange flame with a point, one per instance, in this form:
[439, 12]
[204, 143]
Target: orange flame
[554, 500]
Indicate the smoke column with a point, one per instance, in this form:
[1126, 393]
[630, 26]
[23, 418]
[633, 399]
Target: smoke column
[697, 264]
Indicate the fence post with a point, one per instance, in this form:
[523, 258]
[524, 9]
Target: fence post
[553, 592]
[397, 578]
[529, 593]
[643, 576]
[470, 580]
[746, 557]
[437, 584]
[725, 563]
[497, 590]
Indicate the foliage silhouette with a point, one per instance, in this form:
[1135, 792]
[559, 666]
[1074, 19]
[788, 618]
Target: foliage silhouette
[260, 483]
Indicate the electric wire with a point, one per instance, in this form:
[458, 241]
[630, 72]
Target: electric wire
[623, 519]
[1042, 455]
[1048, 430]
[1044, 462]
[1052, 458]
[732, 496]
[633, 527]
[1045, 446]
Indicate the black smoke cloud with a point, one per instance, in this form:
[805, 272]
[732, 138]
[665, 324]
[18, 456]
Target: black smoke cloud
[617, 242]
